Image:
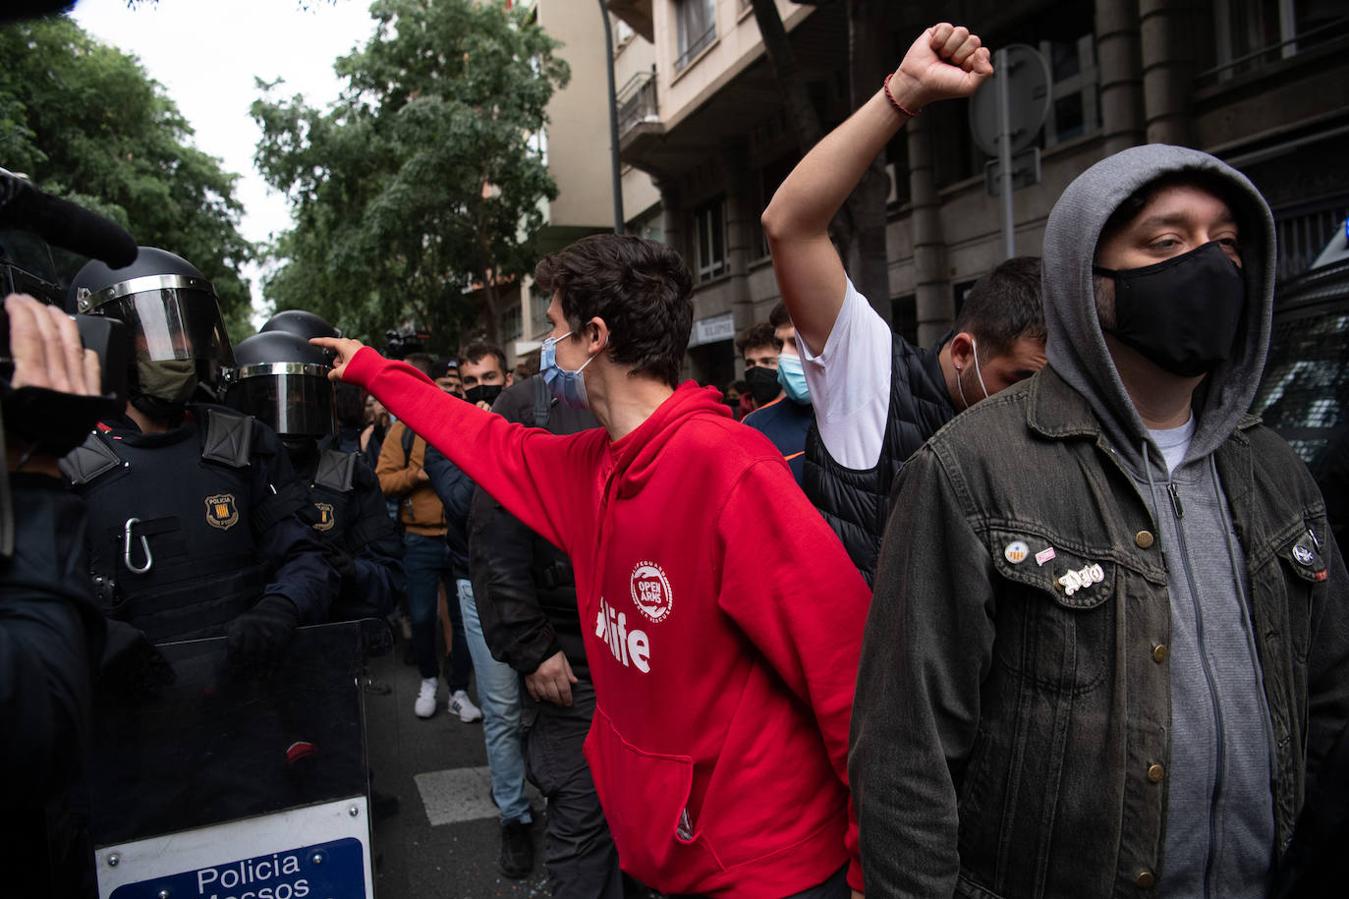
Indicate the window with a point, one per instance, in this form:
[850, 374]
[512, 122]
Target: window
[904, 317]
[512, 323]
[1250, 34]
[650, 226]
[1073, 90]
[710, 226]
[697, 29]
[538, 311]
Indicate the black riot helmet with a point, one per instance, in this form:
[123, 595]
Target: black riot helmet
[301, 323]
[167, 304]
[283, 381]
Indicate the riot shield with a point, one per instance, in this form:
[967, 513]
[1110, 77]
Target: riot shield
[229, 783]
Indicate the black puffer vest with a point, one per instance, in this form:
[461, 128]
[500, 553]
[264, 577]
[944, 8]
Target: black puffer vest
[173, 520]
[856, 503]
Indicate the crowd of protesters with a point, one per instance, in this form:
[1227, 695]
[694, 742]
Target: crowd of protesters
[1037, 611]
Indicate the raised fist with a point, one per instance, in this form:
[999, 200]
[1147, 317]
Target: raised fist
[945, 62]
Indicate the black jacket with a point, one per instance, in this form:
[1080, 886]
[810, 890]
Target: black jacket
[524, 586]
[857, 503]
[51, 635]
[456, 494]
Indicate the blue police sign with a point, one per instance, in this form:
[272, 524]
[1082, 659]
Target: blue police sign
[332, 870]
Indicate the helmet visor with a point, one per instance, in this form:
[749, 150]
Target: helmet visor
[174, 323]
[292, 403]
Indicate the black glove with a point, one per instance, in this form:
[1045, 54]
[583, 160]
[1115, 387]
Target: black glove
[135, 669]
[260, 635]
[341, 561]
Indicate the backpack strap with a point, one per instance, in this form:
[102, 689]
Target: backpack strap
[407, 439]
[543, 402]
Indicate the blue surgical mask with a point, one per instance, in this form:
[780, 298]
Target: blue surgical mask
[792, 377]
[568, 386]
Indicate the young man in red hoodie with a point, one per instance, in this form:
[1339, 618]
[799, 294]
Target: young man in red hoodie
[723, 687]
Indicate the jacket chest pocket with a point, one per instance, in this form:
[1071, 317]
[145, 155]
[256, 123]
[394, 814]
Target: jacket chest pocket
[1055, 620]
[1303, 569]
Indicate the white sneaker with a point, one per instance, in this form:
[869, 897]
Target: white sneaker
[425, 706]
[462, 706]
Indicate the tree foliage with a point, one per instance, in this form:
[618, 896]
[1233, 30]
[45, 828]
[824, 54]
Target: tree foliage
[85, 121]
[424, 179]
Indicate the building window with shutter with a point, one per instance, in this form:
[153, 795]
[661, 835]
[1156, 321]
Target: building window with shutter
[710, 228]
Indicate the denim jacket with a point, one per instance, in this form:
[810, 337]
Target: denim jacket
[1010, 734]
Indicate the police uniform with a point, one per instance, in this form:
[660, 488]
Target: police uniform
[282, 379]
[193, 530]
[347, 511]
[189, 528]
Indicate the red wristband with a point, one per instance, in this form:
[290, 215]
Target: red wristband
[885, 86]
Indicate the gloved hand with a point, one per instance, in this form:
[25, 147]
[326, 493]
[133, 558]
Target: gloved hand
[341, 560]
[260, 635]
[133, 667]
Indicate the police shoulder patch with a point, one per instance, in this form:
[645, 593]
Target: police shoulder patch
[326, 517]
[221, 511]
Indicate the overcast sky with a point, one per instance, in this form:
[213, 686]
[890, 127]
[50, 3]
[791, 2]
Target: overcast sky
[206, 54]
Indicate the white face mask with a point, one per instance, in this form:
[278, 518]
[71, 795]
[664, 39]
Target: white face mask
[960, 376]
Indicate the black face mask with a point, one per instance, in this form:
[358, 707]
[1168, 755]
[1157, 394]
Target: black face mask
[1182, 314]
[763, 384]
[483, 393]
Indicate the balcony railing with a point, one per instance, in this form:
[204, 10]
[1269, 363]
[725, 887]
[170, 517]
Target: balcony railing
[637, 102]
[1333, 32]
[696, 45]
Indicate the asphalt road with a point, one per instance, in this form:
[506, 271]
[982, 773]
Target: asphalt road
[444, 840]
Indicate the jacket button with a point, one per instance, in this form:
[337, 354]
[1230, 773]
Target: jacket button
[1144, 539]
[1155, 773]
[1159, 653]
[1145, 879]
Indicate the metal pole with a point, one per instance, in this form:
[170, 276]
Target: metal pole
[1003, 76]
[613, 119]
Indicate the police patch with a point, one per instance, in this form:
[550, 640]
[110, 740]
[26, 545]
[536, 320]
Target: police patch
[326, 518]
[221, 512]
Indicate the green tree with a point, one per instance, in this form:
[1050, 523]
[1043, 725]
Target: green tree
[421, 187]
[85, 121]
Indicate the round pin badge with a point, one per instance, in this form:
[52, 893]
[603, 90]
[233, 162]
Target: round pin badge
[1016, 552]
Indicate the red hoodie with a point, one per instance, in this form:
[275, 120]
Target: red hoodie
[724, 629]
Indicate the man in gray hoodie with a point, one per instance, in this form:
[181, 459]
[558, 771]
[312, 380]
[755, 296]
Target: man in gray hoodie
[1109, 643]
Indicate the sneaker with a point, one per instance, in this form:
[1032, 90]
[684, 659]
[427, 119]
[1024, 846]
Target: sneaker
[462, 706]
[425, 706]
[517, 850]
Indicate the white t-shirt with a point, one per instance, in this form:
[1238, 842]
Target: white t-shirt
[1174, 443]
[850, 383]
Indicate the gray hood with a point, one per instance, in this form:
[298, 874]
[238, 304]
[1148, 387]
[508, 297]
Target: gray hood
[1076, 346]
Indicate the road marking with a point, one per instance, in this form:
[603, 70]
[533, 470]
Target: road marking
[461, 794]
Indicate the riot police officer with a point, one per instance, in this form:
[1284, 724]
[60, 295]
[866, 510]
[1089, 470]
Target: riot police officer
[282, 379]
[193, 508]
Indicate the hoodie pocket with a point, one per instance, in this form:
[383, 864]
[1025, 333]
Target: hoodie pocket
[645, 799]
[1055, 619]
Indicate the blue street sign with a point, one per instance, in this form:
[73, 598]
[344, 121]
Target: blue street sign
[332, 870]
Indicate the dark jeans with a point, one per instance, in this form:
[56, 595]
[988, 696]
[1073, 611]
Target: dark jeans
[579, 854]
[426, 565]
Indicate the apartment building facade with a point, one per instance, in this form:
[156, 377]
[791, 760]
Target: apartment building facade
[1263, 84]
[576, 146]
